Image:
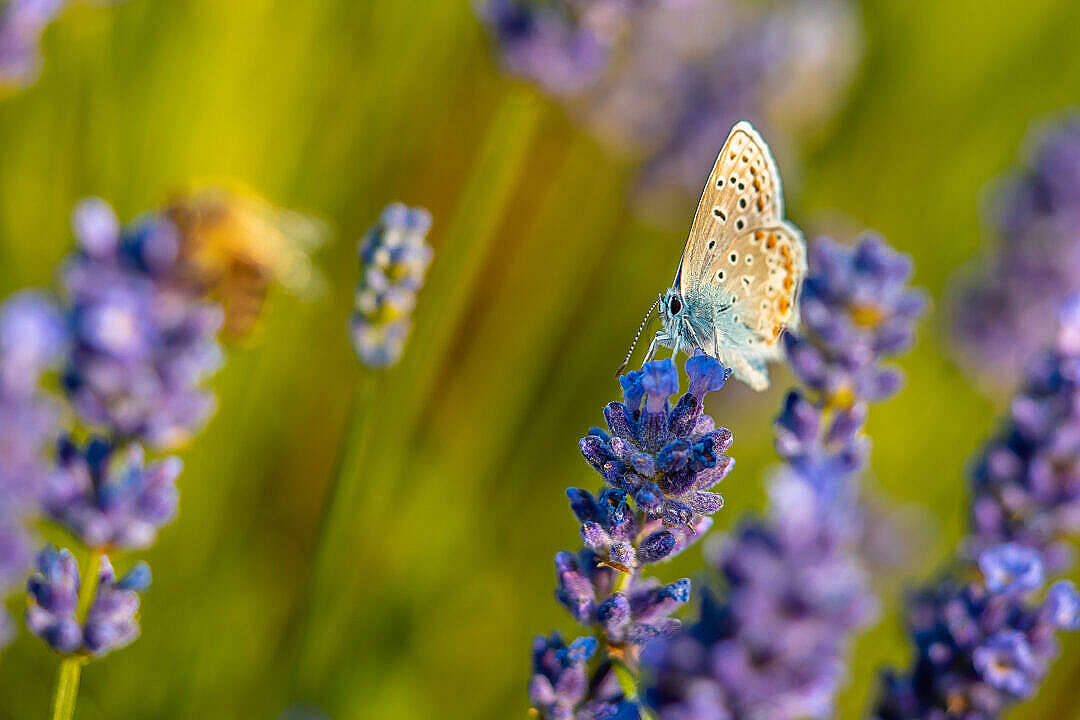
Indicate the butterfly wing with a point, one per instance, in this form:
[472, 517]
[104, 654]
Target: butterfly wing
[758, 279]
[742, 193]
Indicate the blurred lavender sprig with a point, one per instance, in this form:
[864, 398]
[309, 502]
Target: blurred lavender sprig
[111, 620]
[771, 643]
[1026, 481]
[563, 45]
[109, 499]
[143, 338]
[133, 337]
[1005, 305]
[21, 24]
[31, 342]
[394, 257]
[666, 79]
[659, 463]
[982, 642]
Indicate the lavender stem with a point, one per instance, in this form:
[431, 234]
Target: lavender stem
[67, 685]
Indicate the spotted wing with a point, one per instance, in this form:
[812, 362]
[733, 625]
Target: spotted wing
[742, 193]
[758, 277]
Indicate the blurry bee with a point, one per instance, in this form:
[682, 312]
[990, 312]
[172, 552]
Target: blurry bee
[233, 245]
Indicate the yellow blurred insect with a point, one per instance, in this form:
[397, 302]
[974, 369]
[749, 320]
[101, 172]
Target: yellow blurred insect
[233, 245]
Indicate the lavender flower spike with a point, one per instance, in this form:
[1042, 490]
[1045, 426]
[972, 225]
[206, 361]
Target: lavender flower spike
[981, 645]
[108, 499]
[394, 258]
[564, 46]
[31, 340]
[1026, 482]
[1004, 306]
[561, 687]
[21, 25]
[53, 595]
[771, 642]
[663, 459]
[857, 309]
[143, 339]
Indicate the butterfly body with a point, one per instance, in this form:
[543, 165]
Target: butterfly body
[736, 288]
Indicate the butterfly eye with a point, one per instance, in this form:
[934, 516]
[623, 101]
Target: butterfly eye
[675, 305]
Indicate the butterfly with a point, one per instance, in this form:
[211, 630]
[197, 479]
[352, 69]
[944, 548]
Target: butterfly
[736, 289]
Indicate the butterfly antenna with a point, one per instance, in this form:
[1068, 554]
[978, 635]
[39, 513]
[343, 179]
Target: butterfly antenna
[630, 352]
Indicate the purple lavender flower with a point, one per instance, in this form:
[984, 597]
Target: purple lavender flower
[143, 342]
[562, 45]
[857, 308]
[634, 615]
[665, 80]
[31, 339]
[561, 688]
[772, 646]
[1026, 481]
[981, 645]
[53, 597]
[110, 499]
[21, 25]
[771, 642]
[394, 258]
[1004, 306]
[1011, 568]
[662, 459]
[112, 622]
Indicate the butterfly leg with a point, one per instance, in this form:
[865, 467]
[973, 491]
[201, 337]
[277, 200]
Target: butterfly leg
[658, 339]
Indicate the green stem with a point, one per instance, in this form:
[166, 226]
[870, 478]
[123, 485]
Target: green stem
[67, 688]
[67, 685]
[89, 584]
[298, 636]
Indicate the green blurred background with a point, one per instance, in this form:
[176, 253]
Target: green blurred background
[442, 531]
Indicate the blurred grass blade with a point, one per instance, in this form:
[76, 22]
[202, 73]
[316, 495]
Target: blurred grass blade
[386, 409]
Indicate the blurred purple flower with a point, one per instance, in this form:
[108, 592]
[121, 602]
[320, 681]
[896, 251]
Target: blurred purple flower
[142, 342]
[665, 80]
[563, 45]
[1026, 481]
[980, 645]
[110, 499]
[52, 601]
[112, 622]
[53, 598]
[394, 257]
[857, 309]
[1005, 304]
[31, 340]
[21, 25]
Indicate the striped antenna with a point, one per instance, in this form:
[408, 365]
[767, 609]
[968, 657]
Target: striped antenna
[637, 335]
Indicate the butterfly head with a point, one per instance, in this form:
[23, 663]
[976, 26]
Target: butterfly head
[672, 308]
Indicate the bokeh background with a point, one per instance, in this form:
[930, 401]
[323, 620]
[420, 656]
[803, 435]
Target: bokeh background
[440, 539]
